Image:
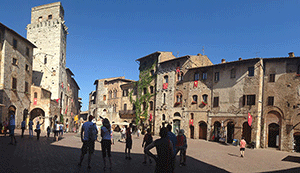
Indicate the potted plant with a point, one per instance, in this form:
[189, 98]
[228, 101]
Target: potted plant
[204, 103]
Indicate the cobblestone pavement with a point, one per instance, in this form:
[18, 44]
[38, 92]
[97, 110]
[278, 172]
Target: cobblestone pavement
[46, 155]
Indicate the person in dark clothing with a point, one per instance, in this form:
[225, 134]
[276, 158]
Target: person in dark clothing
[128, 142]
[164, 148]
[146, 141]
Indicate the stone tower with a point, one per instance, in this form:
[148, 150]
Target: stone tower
[48, 32]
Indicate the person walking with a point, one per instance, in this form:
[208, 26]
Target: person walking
[12, 127]
[38, 129]
[123, 133]
[48, 131]
[30, 124]
[56, 130]
[164, 150]
[148, 139]
[106, 142]
[88, 130]
[128, 142]
[242, 146]
[23, 127]
[181, 146]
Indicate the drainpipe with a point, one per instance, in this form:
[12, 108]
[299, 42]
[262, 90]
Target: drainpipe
[261, 137]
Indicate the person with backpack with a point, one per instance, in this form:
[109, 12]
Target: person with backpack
[106, 141]
[88, 136]
[181, 146]
[147, 140]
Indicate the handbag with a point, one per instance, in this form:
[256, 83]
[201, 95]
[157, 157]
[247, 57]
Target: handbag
[35, 130]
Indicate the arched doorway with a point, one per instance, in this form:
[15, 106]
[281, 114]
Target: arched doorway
[246, 132]
[36, 115]
[202, 130]
[297, 142]
[230, 132]
[217, 131]
[176, 126]
[273, 135]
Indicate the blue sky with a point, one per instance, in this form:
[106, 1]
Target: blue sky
[107, 36]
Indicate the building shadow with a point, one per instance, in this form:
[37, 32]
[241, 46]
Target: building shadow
[291, 170]
[30, 155]
[292, 159]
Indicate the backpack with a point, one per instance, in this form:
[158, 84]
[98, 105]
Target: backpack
[92, 132]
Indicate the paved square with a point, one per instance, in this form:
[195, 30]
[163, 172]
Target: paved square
[45, 155]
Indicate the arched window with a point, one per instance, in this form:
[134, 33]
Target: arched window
[195, 98]
[166, 79]
[144, 106]
[133, 107]
[115, 93]
[114, 108]
[151, 89]
[151, 105]
[110, 94]
[180, 76]
[145, 90]
[163, 117]
[204, 97]
[179, 98]
[125, 107]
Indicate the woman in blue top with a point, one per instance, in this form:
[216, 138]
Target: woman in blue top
[38, 129]
[106, 141]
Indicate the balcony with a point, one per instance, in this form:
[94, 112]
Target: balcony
[127, 113]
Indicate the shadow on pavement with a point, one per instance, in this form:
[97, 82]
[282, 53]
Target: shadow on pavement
[291, 170]
[234, 155]
[30, 155]
[292, 159]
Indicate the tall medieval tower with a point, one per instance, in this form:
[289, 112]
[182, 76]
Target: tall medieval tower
[48, 32]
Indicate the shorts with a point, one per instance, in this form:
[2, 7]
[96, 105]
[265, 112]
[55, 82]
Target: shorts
[106, 147]
[129, 144]
[12, 130]
[242, 149]
[88, 146]
[56, 132]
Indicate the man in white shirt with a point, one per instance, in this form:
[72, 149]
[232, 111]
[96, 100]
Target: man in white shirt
[88, 144]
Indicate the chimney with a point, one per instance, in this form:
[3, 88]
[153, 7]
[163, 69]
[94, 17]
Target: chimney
[291, 55]
[223, 61]
[240, 58]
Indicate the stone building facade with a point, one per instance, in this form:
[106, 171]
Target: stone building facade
[213, 102]
[16, 56]
[48, 32]
[106, 100]
[172, 94]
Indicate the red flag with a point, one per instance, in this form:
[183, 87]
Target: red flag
[66, 110]
[165, 86]
[150, 119]
[249, 119]
[177, 69]
[195, 83]
[191, 123]
[62, 85]
[34, 101]
[57, 100]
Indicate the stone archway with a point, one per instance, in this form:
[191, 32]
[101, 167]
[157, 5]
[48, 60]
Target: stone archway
[217, 131]
[297, 142]
[202, 130]
[273, 135]
[37, 114]
[230, 132]
[246, 132]
[273, 130]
